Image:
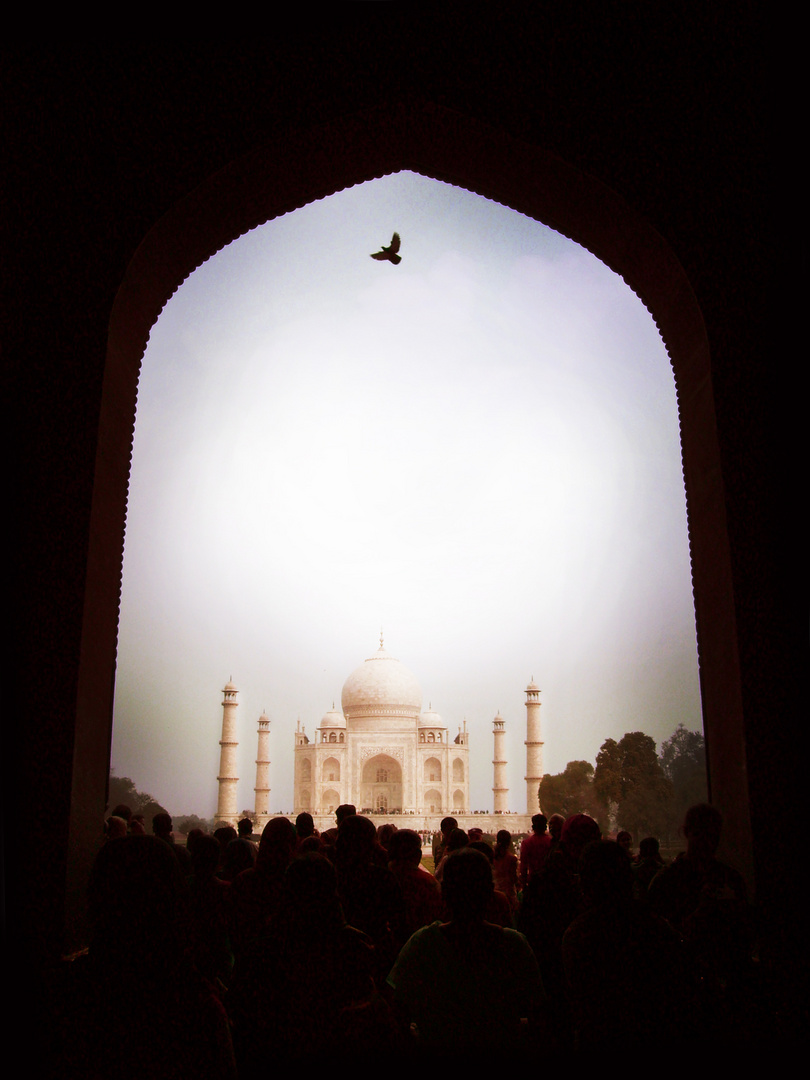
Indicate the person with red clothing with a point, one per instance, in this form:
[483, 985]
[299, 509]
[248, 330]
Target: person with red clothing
[534, 850]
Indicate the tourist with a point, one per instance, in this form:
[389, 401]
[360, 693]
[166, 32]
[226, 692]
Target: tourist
[628, 973]
[466, 984]
[307, 990]
[421, 893]
[534, 849]
[505, 867]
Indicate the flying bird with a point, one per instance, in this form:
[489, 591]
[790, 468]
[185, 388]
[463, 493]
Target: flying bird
[390, 252]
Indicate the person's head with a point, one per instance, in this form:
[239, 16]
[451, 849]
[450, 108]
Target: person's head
[122, 811]
[503, 842]
[239, 855]
[484, 848]
[579, 830]
[555, 826]
[277, 844]
[192, 838]
[624, 840]
[384, 834]
[116, 827]
[343, 811]
[447, 825]
[309, 898]
[467, 885]
[539, 824]
[304, 825]
[224, 834]
[474, 835]
[649, 848]
[205, 853]
[162, 825]
[605, 873]
[309, 843]
[328, 839]
[244, 827]
[356, 839]
[405, 848]
[457, 839]
[136, 903]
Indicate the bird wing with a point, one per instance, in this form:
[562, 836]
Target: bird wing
[389, 252]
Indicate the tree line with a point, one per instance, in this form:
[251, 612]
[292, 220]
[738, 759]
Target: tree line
[122, 791]
[632, 786]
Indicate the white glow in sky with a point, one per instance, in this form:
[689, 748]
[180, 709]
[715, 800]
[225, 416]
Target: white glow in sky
[476, 451]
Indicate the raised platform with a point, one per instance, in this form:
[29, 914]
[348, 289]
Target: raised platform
[426, 824]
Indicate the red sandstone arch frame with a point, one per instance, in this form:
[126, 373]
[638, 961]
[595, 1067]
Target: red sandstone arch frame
[446, 146]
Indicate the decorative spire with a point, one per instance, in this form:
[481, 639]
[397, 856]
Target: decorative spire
[382, 647]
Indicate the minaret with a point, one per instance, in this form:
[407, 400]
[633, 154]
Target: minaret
[262, 789]
[499, 788]
[228, 780]
[534, 750]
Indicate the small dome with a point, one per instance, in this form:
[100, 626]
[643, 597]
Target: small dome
[333, 719]
[431, 719]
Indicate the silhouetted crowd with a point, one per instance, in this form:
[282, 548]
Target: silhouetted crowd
[226, 957]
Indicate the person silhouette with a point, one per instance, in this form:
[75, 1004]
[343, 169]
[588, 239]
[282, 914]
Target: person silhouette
[466, 984]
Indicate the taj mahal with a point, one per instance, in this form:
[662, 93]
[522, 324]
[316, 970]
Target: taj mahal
[385, 755]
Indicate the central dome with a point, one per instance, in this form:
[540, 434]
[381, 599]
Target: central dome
[381, 687]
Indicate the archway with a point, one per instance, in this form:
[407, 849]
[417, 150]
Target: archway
[432, 770]
[381, 784]
[330, 770]
[445, 146]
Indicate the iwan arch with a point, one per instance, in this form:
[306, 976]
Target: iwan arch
[309, 165]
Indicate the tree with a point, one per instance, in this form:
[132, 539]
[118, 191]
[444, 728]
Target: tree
[571, 792]
[683, 760]
[607, 778]
[187, 822]
[122, 790]
[630, 782]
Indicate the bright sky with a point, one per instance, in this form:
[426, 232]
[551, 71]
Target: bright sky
[475, 451]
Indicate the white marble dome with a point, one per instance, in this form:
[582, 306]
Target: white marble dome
[333, 719]
[381, 687]
[431, 719]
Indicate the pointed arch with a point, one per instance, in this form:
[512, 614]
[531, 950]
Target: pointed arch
[304, 166]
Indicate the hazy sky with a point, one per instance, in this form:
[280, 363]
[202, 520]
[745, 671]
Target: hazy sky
[476, 451]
